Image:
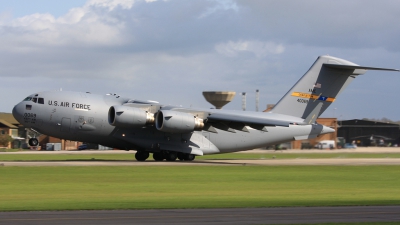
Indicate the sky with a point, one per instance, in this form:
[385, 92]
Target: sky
[172, 50]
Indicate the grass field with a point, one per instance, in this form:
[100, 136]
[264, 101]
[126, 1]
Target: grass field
[9, 150]
[130, 156]
[148, 187]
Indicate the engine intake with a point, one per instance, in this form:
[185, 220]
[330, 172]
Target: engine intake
[177, 122]
[129, 117]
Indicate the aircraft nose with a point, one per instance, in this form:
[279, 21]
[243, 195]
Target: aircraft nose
[18, 112]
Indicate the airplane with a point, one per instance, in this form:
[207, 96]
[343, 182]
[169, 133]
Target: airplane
[172, 132]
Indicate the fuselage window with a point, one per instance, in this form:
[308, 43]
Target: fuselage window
[41, 101]
[28, 107]
[28, 99]
[34, 100]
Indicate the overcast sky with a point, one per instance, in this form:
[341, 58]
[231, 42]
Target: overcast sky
[171, 51]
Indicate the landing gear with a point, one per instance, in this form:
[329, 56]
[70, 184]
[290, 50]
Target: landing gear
[158, 156]
[167, 155]
[33, 142]
[186, 157]
[189, 157]
[181, 156]
[141, 155]
[171, 156]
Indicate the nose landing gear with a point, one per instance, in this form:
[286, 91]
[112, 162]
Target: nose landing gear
[33, 142]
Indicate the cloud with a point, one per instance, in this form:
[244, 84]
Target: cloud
[258, 48]
[220, 5]
[111, 4]
[172, 50]
[325, 23]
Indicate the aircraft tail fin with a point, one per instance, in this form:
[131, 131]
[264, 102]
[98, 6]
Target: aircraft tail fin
[319, 87]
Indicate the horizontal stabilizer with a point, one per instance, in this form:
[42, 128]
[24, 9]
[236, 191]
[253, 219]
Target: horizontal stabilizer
[354, 67]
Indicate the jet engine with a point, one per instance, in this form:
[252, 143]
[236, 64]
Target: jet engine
[129, 117]
[177, 122]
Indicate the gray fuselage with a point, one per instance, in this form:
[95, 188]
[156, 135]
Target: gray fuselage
[84, 117]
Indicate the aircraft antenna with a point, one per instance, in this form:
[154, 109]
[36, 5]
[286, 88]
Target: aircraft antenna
[244, 101]
[257, 99]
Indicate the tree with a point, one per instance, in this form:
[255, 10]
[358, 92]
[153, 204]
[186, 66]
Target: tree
[5, 139]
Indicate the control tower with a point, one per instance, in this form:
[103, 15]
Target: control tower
[219, 98]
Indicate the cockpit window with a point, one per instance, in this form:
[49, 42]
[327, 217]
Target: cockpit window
[28, 99]
[41, 101]
[34, 100]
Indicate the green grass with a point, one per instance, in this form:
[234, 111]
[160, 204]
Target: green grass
[130, 156]
[9, 150]
[149, 187]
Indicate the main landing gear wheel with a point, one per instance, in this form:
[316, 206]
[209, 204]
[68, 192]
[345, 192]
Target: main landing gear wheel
[171, 156]
[189, 157]
[158, 156]
[33, 142]
[181, 156]
[141, 155]
[186, 157]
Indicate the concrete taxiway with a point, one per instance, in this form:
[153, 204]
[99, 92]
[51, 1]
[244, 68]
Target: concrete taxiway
[289, 215]
[268, 160]
[249, 162]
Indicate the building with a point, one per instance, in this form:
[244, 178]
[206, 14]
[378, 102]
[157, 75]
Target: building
[369, 133]
[9, 125]
[329, 122]
[45, 140]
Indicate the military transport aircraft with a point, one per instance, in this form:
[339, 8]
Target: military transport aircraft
[171, 132]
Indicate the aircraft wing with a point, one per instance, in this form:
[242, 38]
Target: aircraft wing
[246, 120]
[233, 122]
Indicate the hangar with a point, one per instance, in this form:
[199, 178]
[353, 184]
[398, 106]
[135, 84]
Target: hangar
[369, 133]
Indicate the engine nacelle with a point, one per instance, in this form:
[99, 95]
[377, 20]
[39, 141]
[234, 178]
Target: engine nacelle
[129, 117]
[177, 122]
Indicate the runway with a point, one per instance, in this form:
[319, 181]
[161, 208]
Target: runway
[236, 162]
[290, 215]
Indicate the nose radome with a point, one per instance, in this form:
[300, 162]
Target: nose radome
[17, 112]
